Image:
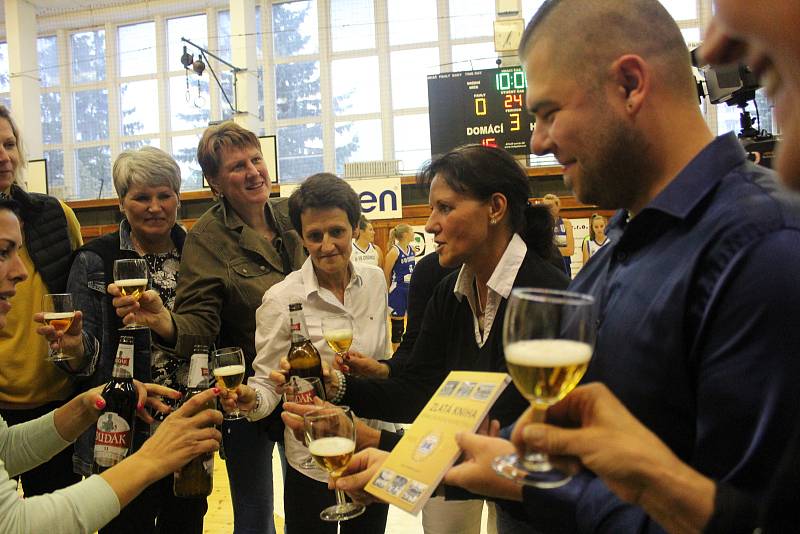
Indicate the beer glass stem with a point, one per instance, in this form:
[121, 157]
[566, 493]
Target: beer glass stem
[340, 499]
[236, 413]
[537, 461]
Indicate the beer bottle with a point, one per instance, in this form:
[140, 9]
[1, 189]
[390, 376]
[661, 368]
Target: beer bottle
[114, 434]
[196, 479]
[303, 356]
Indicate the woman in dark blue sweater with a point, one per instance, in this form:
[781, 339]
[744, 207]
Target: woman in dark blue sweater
[480, 219]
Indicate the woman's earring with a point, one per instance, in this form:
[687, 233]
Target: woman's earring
[492, 221]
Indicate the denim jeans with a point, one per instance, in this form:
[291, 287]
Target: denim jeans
[248, 459]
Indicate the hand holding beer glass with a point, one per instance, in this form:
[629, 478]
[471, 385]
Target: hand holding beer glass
[338, 333]
[548, 337]
[131, 276]
[228, 365]
[58, 312]
[331, 437]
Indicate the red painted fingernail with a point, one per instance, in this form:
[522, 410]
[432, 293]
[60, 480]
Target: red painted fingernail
[216, 391]
[100, 403]
[140, 406]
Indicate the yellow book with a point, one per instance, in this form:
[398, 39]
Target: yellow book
[428, 449]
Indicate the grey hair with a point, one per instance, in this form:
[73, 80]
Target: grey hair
[148, 167]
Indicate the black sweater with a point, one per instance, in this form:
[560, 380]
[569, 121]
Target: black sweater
[447, 343]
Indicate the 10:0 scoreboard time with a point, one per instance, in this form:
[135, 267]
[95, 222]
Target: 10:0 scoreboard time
[479, 106]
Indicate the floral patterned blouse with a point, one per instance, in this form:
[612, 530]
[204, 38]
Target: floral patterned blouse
[163, 269]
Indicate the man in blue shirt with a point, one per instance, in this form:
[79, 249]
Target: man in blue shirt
[695, 334]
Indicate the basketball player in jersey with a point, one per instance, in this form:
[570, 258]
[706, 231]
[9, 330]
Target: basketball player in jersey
[398, 268]
[597, 237]
[562, 232]
[364, 248]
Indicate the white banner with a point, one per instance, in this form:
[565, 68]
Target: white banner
[381, 198]
[423, 242]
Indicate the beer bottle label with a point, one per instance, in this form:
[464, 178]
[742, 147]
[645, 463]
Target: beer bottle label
[198, 371]
[112, 439]
[208, 464]
[305, 391]
[123, 363]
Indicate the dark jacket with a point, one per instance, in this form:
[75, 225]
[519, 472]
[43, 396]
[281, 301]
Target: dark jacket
[447, 343]
[92, 271]
[46, 236]
[225, 270]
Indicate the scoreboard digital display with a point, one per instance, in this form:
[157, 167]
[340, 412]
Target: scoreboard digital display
[479, 106]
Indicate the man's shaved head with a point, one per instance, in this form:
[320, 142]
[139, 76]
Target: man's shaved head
[587, 36]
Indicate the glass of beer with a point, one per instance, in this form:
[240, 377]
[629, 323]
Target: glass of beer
[131, 277]
[304, 391]
[228, 365]
[548, 338]
[338, 333]
[331, 437]
[58, 313]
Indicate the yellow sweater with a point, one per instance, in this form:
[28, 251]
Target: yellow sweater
[26, 378]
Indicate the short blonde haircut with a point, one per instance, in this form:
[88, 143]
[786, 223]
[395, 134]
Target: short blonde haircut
[220, 137]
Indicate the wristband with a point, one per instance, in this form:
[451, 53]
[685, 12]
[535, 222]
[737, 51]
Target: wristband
[259, 401]
[341, 387]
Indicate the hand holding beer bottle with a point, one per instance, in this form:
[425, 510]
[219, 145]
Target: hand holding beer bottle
[184, 434]
[115, 428]
[196, 479]
[304, 359]
[83, 410]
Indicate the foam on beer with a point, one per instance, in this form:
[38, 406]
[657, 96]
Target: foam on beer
[52, 316]
[229, 370]
[132, 282]
[338, 335]
[548, 353]
[332, 446]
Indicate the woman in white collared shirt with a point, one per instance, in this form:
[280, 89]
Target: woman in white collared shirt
[325, 211]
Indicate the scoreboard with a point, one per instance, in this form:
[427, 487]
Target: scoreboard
[479, 106]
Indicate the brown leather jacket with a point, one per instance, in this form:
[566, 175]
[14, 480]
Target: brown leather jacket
[225, 270]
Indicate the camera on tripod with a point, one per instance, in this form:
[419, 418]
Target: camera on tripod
[736, 85]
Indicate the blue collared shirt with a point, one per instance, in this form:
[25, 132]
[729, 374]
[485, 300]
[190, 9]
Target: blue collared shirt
[697, 333]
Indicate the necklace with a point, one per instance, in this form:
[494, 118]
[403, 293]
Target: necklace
[478, 298]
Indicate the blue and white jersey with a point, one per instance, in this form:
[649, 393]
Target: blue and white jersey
[401, 277]
[369, 256]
